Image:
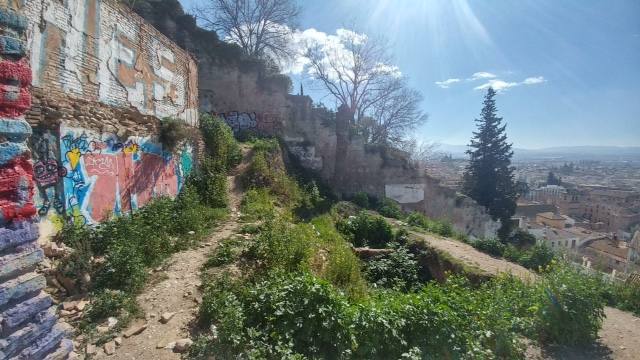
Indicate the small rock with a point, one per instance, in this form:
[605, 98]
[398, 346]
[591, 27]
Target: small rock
[69, 305]
[182, 345]
[102, 329]
[65, 313]
[118, 341]
[111, 322]
[170, 345]
[159, 268]
[135, 330]
[166, 317]
[160, 345]
[110, 348]
[91, 349]
[81, 305]
[191, 232]
[622, 347]
[197, 300]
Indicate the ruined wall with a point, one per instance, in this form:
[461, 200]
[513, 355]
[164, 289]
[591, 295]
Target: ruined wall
[240, 97]
[99, 50]
[350, 165]
[29, 328]
[102, 80]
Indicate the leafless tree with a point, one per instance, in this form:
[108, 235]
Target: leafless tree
[357, 72]
[420, 153]
[262, 28]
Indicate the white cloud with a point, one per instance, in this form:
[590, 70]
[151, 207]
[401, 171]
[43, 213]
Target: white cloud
[533, 80]
[501, 85]
[497, 85]
[446, 83]
[482, 75]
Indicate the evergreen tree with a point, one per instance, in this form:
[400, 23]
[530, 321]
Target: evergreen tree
[489, 178]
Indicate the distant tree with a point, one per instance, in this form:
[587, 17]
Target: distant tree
[489, 177]
[262, 28]
[358, 73]
[552, 179]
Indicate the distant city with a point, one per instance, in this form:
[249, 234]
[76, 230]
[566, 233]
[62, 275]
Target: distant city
[582, 201]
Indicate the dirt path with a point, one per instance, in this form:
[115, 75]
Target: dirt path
[619, 337]
[178, 293]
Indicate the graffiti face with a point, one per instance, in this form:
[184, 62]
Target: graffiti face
[47, 173]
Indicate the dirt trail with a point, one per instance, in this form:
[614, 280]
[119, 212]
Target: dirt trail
[619, 337]
[178, 292]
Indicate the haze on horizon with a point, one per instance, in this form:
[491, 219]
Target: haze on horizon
[567, 72]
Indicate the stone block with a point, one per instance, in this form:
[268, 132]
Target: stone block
[15, 129]
[17, 263]
[13, 317]
[18, 233]
[42, 346]
[29, 334]
[21, 286]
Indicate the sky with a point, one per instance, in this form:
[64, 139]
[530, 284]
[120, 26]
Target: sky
[568, 71]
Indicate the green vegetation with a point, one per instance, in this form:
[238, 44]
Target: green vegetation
[172, 132]
[440, 227]
[307, 295]
[533, 257]
[624, 296]
[112, 259]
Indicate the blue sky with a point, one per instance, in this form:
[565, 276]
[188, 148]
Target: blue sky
[582, 59]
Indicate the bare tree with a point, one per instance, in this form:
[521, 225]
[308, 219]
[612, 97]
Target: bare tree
[420, 153]
[262, 28]
[357, 72]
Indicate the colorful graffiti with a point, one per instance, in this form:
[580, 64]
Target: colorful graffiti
[48, 172]
[241, 121]
[106, 176]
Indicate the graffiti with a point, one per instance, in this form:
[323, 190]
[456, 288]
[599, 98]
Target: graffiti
[241, 121]
[106, 176]
[94, 50]
[307, 156]
[48, 172]
[405, 193]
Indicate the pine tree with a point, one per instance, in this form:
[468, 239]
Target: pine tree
[489, 178]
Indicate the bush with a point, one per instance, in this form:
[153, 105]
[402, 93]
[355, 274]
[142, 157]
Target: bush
[440, 227]
[361, 199]
[490, 246]
[257, 204]
[390, 208]
[220, 143]
[227, 252]
[106, 303]
[398, 270]
[624, 296]
[343, 271]
[278, 317]
[283, 246]
[211, 184]
[171, 133]
[570, 305]
[365, 229]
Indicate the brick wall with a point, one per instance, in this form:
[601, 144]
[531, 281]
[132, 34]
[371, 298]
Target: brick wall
[29, 328]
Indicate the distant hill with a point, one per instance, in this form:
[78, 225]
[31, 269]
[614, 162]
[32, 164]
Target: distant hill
[560, 152]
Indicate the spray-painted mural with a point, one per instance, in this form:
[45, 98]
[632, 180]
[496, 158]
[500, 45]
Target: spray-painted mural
[98, 50]
[105, 176]
[262, 123]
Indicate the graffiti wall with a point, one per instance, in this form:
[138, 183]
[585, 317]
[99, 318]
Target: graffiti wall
[29, 328]
[261, 123]
[103, 175]
[99, 50]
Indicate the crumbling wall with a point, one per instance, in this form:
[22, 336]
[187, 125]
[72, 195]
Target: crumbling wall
[100, 50]
[351, 165]
[29, 328]
[240, 97]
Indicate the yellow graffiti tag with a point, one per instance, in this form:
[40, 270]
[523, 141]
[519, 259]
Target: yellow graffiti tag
[73, 156]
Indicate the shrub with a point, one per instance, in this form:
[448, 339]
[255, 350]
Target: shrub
[536, 257]
[490, 246]
[191, 215]
[257, 204]
[172, 132]
[570, 305]
[124, 268]
[219, 141]
[78, 262]
[284, 246]
[398, 270]
[365, 229]
[390, 208]
[343, 271]
[440, 227]
[278, 317]
[361, 199]
[106, 303]
[211, 184]
[625, 296]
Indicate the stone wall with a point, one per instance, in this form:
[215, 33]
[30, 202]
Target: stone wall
[29, 328]
[350, 165]
[241, 97]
